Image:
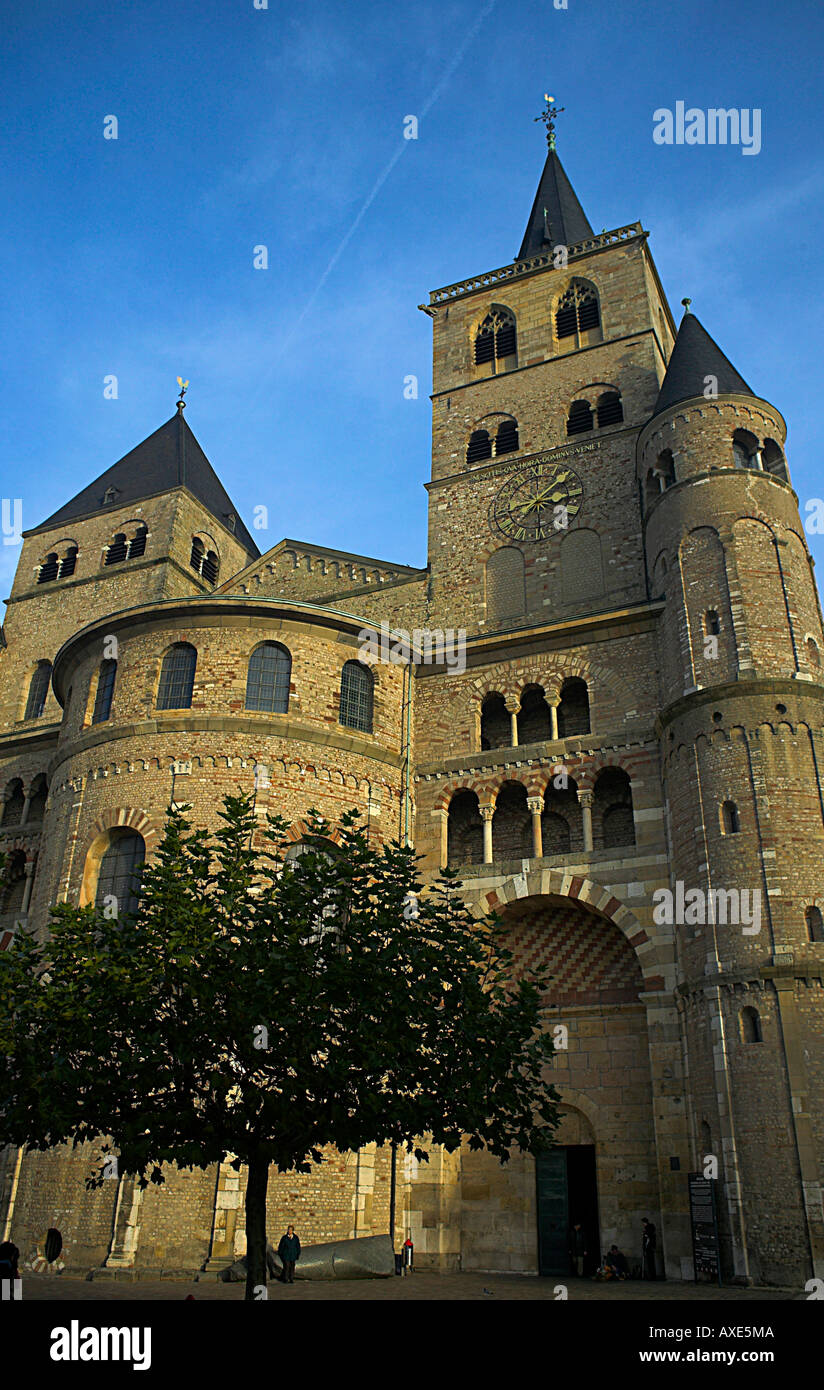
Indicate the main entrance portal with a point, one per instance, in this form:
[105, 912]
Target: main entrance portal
[566, 1192]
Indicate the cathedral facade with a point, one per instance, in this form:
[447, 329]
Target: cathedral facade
[626, 764]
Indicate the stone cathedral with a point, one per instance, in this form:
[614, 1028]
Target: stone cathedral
[613, 524]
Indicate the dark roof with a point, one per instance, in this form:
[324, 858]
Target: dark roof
[169, 458]
[696, 356]
[566, 221]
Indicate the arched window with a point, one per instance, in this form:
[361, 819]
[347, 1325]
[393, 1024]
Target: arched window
[464, 830]
[773, 461]
[610, 409]
[578, 314]
[13, 803]
[38, 794]
[555, 833]
[652, 486]
[561, 820]
[815, 923]
[116, 550]
[326, 917]
[356, 696]
[580, 418]
[506, 440]
[744, 449]
[612, 809]
[68, 563]
[137, 544]
[118, 876]
[534, 721]
[268, 677]
[479, 446]
[665, 467]
[13, 886]
[813, 654]
[206, 562]
[38, 690]
[730, 819]
[711, 623]
[48, 569]
[105, 690]
[496, 725]
[177, 677]
[573, 710]
[496, 337]
[512, 823]
[750, 1025]
[198, 552]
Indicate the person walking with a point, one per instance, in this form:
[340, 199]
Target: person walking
[648, 1245]
[577, 1249]
[289, 1251]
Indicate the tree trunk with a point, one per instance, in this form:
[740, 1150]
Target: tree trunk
[256, 1185]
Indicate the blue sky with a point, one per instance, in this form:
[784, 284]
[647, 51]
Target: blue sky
[240, 127]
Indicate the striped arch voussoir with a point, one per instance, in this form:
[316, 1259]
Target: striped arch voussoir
[599, 900]
[303, 830]
[126, 817]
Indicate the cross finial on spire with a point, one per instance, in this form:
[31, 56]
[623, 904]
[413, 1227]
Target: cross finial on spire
[181, 404]
[548, 117]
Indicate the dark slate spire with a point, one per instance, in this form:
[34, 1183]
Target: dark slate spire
[557, 218]
[169, 458]
[696, 356]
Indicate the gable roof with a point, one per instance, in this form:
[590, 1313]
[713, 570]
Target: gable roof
[169, 458]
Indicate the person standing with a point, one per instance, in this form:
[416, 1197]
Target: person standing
[577, 1249]
[648, 1245]
[289, 1251]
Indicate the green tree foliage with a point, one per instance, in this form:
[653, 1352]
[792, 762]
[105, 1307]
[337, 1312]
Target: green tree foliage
[265, 1005]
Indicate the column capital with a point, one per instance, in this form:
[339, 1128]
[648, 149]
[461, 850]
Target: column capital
[487, 812]
[535, 804]
[585, 798]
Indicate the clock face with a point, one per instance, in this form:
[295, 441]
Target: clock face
[536, 502]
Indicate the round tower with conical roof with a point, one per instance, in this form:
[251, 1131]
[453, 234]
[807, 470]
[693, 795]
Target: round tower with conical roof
[742, 760]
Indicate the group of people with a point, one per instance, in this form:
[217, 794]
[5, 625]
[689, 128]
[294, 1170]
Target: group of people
[614, 1264]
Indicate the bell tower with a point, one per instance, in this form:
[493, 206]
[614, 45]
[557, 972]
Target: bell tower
[544, 371]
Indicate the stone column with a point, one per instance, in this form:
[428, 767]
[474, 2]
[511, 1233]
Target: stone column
[585, 799]
[536, 806]
[553, 723]
[29, 872]
[442, 815]
[26, 805]
[512, 710]
[487, 812]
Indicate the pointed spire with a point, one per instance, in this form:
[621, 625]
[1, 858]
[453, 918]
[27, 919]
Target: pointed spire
[169, 458]
[557, 218]
[695, 357]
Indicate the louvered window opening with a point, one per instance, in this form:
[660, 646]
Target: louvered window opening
[210, 567]
[177, 678]
[67, 564]
[137, 546]
[48, 569]
[479, 447]
[105, 692]
[610, 410]
[38, 691]
[580, 418]
[506, 440]
[496, 337]
[116, 551]
[356, 697]
[572, 318]
[268, 677]
[196, 558]
[484, 347]
[119, 873]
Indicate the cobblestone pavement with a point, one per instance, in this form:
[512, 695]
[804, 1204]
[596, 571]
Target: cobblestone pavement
[426, 1286]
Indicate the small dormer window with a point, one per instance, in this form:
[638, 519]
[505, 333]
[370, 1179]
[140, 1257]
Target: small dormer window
[109, 496]
[231, 522]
